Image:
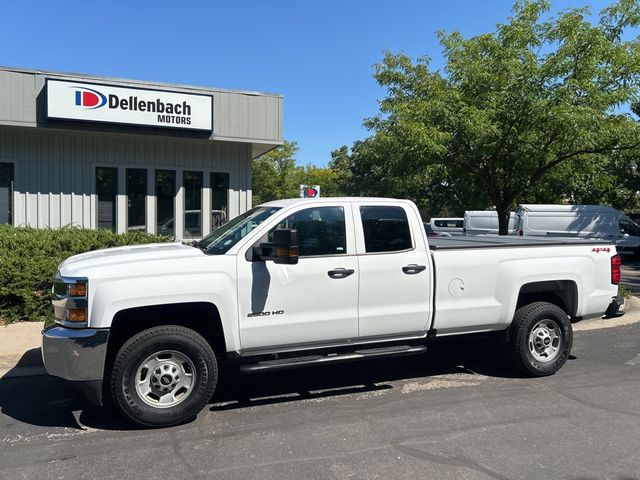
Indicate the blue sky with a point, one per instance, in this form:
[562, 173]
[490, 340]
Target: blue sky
[319, 55]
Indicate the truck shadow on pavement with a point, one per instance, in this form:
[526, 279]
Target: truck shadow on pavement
[48, 401]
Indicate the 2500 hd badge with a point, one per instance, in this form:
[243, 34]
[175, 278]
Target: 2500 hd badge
[265, 314]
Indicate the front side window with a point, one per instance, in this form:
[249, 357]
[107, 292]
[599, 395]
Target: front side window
[321, 231]
[630, 227]
[386, 229]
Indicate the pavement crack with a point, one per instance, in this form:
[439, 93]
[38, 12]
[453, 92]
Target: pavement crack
[451, 461]
[177, 451]
[587, 403]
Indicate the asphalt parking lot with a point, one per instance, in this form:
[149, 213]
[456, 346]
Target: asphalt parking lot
[455, 412]
[631, 275]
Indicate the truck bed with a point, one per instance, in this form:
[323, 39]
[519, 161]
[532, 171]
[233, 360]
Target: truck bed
[465, 242]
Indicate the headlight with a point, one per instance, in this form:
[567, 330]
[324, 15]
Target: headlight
[70, 301]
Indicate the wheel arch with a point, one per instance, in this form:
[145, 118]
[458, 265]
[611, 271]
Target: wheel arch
[202, 317]
[563, 293]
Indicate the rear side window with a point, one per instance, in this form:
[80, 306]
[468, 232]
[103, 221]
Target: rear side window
[386, 229]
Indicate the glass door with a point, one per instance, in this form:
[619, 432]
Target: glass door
[6, 193]
[106, 190]
[192, 182]
[136, 199]
[165, 202]
[219, 182]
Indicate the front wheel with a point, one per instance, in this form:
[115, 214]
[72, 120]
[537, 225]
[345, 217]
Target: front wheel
[540, 339]
[163, 376]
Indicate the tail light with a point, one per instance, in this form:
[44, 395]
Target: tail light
[615, 269]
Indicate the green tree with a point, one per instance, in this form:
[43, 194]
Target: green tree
[514, 113]
[325, 177]
[275, 174]
[342, 165]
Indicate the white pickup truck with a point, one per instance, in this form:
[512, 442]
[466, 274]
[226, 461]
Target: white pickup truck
[299, 282]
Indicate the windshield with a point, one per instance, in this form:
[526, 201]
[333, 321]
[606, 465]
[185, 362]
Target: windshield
[221, 240]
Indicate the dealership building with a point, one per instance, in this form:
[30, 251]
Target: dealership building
[128, 155]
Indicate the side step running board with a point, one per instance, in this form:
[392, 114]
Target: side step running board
[311, 360]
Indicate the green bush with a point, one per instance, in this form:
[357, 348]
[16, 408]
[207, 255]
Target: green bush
[29, 259]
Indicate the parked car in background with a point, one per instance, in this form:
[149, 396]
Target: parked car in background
[485, 222]
[453, 226]
[193, 223]
[432, 233]
[583, 221]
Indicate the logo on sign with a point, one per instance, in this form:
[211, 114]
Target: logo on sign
[309, 191]
[90, 99]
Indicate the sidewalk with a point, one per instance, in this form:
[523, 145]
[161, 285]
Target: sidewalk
[20, 350]
[20, 354]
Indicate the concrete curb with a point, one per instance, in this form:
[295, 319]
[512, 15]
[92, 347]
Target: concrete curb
[631, 315]
[21, 357]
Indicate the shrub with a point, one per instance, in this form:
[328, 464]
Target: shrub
[29, 259]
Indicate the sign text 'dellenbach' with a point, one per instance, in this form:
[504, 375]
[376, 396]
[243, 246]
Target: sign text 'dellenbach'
[132, 106]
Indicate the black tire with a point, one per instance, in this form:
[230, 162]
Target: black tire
[542, 316]
[192, 356]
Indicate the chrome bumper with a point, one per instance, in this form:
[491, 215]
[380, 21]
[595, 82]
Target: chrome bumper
[77, 356]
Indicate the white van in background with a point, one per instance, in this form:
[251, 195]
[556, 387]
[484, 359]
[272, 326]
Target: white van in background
[485, 222]
[583, 221]
[453, 226]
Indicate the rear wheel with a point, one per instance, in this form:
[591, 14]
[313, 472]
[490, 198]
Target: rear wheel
[163, 376]
[540, 339]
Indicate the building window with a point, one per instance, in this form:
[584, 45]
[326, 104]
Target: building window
[136, 195]
[219, 199]
[107, 189]
[6, 193]
[192, 183]
[165, 206]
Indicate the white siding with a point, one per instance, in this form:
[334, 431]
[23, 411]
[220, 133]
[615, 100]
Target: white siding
[55, 171]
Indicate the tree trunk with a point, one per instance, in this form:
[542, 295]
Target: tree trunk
[504, 213]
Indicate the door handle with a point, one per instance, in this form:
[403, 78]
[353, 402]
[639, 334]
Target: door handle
[340, 272]
[413, 269]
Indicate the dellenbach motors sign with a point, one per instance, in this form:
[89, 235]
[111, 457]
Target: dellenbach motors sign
[131, 106]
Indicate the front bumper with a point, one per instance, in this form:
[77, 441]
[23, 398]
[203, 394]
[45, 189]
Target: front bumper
[77, 355]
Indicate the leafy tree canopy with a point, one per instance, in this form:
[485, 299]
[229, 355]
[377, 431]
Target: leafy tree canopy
[533, 110]
[276, 175]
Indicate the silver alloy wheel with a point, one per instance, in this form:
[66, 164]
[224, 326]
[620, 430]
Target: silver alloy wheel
[545, 340]
[165, 379]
